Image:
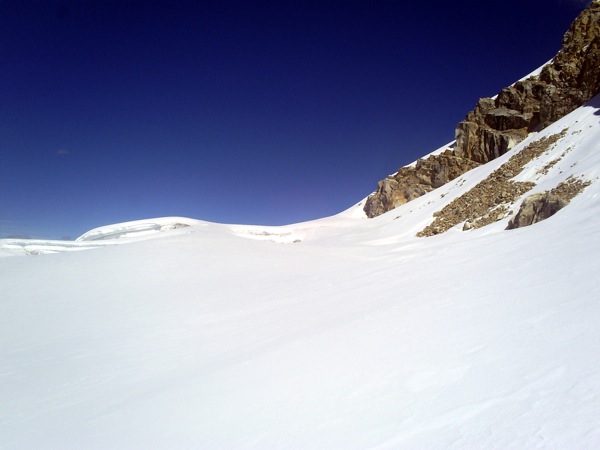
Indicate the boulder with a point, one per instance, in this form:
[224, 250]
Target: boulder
[535, 208]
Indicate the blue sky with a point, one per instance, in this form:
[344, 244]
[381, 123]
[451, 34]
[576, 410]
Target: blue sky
[256, 112]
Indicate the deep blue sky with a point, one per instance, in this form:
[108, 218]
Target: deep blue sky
[257, 112]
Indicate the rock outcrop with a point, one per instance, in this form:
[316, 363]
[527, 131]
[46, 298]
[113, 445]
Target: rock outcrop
[567, 82]
[535, 208]
[413, 181]
[497, 124]
[540, 206]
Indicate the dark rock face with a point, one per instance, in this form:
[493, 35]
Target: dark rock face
[567, 82]
[412, 182]
[573, 77]
[495, 126]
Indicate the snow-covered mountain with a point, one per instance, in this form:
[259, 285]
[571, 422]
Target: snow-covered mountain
[344, 332]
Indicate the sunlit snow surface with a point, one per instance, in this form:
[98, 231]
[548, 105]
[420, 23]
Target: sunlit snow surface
[342, 333]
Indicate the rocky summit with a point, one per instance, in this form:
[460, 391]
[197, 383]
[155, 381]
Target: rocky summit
[499, 123]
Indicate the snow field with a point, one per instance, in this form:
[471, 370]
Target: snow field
[358, 336]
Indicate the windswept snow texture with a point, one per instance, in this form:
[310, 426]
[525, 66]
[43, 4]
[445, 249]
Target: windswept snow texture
[342, 333]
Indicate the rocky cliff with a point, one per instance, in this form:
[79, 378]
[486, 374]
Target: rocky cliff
[411, 182]
[497, 124]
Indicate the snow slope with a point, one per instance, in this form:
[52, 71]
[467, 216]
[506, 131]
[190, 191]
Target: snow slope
[344, 332]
